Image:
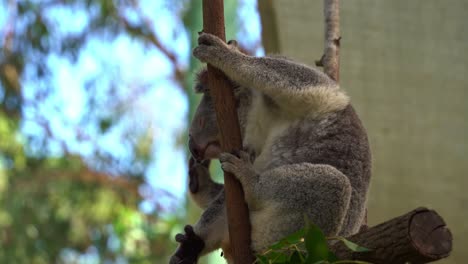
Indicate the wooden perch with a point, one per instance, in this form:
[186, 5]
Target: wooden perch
[419, 236]
[230, 138]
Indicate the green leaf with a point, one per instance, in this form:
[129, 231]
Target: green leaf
[279, 245]
[353, 246]
[292, 239]
[277, 256]
[105, 124]
[295, 237]
[296, 258]
[332, 257]
[261, 260]
[283, 250]
[316, 244]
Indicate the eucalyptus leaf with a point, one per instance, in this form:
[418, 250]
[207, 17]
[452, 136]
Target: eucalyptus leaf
[279, 245]
[261, 260]
[332, 257]
[316, 244]
[353, 246]
[295, 237]
[296, 258]
[277, 256]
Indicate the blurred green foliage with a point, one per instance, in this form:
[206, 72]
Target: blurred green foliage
[58, 205]
[66, 208]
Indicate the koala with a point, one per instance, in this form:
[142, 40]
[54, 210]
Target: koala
[305, 152]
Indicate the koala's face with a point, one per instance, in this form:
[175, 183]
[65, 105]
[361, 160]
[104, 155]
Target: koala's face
[203, 133]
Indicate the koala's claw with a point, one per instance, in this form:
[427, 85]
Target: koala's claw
[209, 40]
[237, 163]
[190, 247]
[252, 154]
[243, 155]
[212, 49]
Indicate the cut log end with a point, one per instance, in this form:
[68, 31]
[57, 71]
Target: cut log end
[430, 235]
[419, 236]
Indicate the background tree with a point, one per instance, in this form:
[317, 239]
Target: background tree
[81, 84]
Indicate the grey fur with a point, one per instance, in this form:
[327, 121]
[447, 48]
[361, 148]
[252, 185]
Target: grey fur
[206, 190]
[312, 154]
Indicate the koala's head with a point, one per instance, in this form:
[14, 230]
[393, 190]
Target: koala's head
[203, 133]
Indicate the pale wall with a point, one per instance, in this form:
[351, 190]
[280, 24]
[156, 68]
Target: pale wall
[405, 65]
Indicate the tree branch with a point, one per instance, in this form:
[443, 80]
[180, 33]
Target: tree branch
[331, 57]
[230, 137]
[419, 236]
[153, 39]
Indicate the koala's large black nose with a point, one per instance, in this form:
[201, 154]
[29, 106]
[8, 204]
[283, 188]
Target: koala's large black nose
[194, 149]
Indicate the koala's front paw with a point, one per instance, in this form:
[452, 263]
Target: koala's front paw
[211, 49]
[239, 163]
[196, 170]
[190, 247]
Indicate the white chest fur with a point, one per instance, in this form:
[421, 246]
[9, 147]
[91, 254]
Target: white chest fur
[262, 129]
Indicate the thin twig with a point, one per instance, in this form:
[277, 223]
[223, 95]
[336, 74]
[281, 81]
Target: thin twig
[331, 57]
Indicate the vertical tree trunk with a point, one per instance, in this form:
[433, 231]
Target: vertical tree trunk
[331, 55]
[224, 103]
[270, 36]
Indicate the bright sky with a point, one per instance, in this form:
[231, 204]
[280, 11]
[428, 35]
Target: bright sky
[162, 107]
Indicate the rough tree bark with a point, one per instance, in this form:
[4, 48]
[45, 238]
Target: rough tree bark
[331, 56]
[230, 137]
[419, 236]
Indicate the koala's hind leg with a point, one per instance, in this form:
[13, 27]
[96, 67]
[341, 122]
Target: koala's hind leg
[203, 189]
[321, 192]
[287, 194]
